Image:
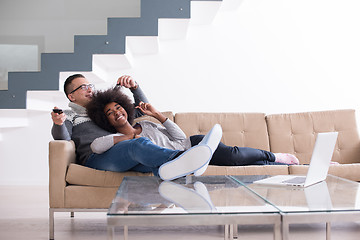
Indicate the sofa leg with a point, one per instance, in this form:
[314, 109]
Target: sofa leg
[71, 214]
[51, 224]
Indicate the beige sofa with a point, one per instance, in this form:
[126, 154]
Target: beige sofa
[75, 188]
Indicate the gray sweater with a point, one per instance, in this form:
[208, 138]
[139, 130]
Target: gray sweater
[168, 135]
[79, 128]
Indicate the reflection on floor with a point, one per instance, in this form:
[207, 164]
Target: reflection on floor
[24, 215]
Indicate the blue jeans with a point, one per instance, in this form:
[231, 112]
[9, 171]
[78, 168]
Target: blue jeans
[237, 156]
[139, 155]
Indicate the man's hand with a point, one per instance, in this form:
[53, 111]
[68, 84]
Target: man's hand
[127, 81]
[149, 110]
[57, 118]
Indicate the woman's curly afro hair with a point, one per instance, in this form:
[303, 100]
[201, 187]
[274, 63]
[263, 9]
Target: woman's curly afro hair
[100, 99]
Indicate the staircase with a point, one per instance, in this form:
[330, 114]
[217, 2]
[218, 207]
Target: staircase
[87, 47]
[98, 57]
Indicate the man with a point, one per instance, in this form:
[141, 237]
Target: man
[138, 154]
[79, 91]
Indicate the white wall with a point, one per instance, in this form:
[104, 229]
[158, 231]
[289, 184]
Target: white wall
[268, 56]
[24, 151]
[265, 56]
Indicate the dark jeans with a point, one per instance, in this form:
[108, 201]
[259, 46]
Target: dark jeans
[237, 156]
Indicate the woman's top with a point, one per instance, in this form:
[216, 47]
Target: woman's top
[168, 135]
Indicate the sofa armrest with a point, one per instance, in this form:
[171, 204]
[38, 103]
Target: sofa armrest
[61, 154]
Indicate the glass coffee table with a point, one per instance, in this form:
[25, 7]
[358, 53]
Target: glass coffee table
[230, 201]
[204, 200]
[335, 199]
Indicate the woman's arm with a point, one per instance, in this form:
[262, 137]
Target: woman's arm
[174, 130]
[102, 144]
[149, 110]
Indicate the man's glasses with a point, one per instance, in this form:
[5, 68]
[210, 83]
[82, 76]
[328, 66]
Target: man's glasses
[84, 87]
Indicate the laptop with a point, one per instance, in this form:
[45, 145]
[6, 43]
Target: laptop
[319, 164]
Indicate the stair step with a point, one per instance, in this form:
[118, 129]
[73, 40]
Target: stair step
[46, 100]
[143, 45]
[91, 76]
[106, 65]
[230, 5]
[203, 13]
[173, 29]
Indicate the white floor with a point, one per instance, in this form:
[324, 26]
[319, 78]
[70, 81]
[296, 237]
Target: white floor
[24, 215]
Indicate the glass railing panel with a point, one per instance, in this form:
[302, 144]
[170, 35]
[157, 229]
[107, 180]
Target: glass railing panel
[15, 58]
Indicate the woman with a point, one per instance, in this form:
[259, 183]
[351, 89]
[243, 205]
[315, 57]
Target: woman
[113, 111]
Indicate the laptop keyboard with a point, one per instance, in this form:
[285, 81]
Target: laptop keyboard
[295, 180]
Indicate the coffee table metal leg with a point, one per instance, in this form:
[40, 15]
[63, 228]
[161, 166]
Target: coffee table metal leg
[284, 228]
[235, 227]
[328, 230]
[111, 233]
[229, 231]
[126, 232]
[277, 231]
[226, 232]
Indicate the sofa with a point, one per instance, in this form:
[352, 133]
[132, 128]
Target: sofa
[74, 188]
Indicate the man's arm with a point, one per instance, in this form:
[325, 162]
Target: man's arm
[62, 128]
[139, 97]
[138, 94]
[61, 132]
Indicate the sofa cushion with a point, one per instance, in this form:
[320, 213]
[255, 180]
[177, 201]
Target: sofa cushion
[296, 133]
[89, 197]
[239, 129]
[248, 170]
[348, 171]
[80, 175]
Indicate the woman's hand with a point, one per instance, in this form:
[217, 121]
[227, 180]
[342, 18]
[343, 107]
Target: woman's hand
[149, 110]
